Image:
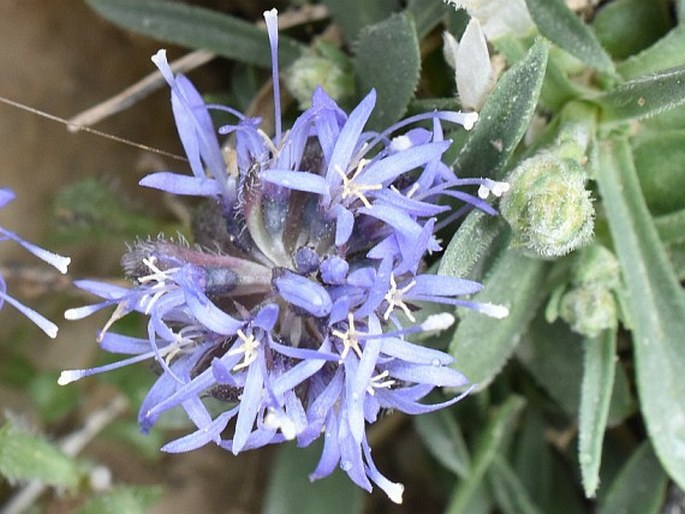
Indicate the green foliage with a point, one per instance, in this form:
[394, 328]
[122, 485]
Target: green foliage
[26, 456]
[487, 447]
[599, 370]
[639, 488]
[645, 96]
[656, 303]
[504, 118]
[196, 27]
[393, 69]
[561, 26]
[353, 15]
[128, 499]
[481, 345]
[291, 492]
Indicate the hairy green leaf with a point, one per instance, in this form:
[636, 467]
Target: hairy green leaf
[656, 306]
[512, 496]
[487, 447]
[504, 117]
[25, 456]
[482, 345]
[128, 499]
[291, 492]
[668, 52]
[599, 370]
[443, 438]
[197, 27]
[388, 59]
[645, 96]
[625, 27]
[353, 15]
[660, 161]
[563, 28]
[639, 488]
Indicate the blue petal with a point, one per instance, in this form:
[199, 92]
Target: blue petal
[297, 180]
[181, 184]
[346, 142]
[304, 293]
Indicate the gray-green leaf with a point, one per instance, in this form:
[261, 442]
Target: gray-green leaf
[599, 371]
[25, 456]
[291, 492]
[197, 27]
[639, 488]
[388, 59]
[645, 96]
[561, 26]
[128, 499]
[487, 447]
[504, 118]
[443, 438]
[482, 345]
[656, 306]
[353, 15]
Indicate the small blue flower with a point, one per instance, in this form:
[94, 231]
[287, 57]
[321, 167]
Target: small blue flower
[292, 318]
[57, 261]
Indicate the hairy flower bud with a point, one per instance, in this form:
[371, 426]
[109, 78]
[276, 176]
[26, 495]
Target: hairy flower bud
[325, 67]
[589, 309]
[547, 206]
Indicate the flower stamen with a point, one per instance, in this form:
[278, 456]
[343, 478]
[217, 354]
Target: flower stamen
[350, 188]
[349, 338]
[249, 348]
[379, 382]
[394, 299]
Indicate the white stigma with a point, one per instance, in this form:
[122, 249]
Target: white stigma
[470, 120]
[496, 188]
[494, 311]
[438, 322]
[69, 376]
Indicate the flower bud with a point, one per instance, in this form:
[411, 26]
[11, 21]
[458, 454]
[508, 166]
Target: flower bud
[325, 67]
[597, 265]
[589, 309]
[547, 206]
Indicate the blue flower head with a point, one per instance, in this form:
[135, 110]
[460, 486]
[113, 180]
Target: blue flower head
[59, 262]
[294, 312]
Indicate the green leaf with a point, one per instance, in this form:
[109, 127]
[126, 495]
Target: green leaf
[25, 456]
[563, 28]
[353, 15]
[625, 27]
[639, 488]
[291, 492]
[512, 496]
[553, 355]
[487, 447]
[389, 60]
[660, 161]
[504, 117]
[123, 499]
[427, 15]
[443, 438]
[595, 398]
[644, 96]
[476, 239]
[668, 52]
[53, 402]
[656, 306]
[197, 27]
[671, 227]
[481, 344]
